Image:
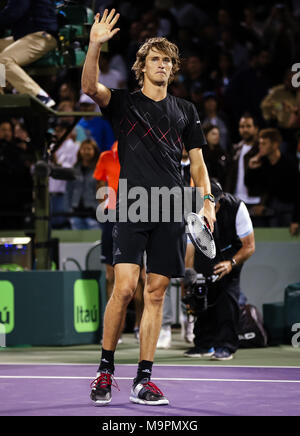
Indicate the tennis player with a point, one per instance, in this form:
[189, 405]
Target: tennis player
[151, 126]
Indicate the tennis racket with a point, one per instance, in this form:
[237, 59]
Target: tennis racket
[200, 235]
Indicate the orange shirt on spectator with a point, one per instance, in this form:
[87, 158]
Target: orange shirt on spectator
[108, 170]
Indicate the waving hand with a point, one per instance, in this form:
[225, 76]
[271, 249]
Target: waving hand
[103, 30]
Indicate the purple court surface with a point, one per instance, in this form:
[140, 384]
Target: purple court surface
[63, 390]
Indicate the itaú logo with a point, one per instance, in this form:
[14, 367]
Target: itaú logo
[7, 312]
[86, 306]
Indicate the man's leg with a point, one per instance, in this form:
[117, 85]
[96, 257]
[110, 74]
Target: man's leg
[23, 52]
[143, 391]
[227, 319]
[139, 302]
[5, 42]
[110, 278]
[154, 293]
[126, 279]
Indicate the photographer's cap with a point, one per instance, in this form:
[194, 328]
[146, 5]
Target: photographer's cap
[216, 189]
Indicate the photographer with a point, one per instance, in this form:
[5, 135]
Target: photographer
[217, 319]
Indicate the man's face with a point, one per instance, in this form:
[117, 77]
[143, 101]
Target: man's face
[6, 132]
[266, 146]
[158, 67]
[247, 129]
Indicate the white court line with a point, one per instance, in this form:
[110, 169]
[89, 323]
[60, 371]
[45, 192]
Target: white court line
[198, 365]
[153, 378]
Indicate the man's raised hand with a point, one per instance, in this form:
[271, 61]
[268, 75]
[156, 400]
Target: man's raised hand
[103, 30]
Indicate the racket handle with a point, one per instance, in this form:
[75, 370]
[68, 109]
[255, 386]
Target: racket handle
[206, 222]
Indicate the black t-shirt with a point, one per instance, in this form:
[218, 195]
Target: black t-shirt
[151, 136]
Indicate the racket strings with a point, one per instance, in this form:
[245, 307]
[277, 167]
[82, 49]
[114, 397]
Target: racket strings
[202, 236]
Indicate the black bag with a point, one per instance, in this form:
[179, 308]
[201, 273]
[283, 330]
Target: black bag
[251, 331]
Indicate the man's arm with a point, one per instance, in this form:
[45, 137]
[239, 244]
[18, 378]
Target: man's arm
[246, 251]
[201, 180]
[101, 32]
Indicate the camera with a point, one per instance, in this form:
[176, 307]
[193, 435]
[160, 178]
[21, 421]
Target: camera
[196, 288]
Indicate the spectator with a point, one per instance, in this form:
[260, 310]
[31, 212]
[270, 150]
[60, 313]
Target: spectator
[107, 173]
[82, 191]
[110, 77]
[196, 72]
[275, 177]
[67, 91]
[248, 87]
[278, 104]
[253, 30]
[223, 73]
[224, 20]
[96, 128]
[69, 106]
[23, 142]
[167, 24]
[34, 33]
[195, 95]
[228, 42]
[188, 15]
[212, 116]
[294, 121]
[241, 153]
[15, 181]
[216, 159]
[280, 35]
[65, 156]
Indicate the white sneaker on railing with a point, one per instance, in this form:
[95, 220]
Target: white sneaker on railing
[189, 331]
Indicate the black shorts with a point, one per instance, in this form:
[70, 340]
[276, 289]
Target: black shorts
[164, 243]
[107, 243]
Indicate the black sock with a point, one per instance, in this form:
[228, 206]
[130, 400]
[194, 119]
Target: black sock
[144, 370]
[107, 361]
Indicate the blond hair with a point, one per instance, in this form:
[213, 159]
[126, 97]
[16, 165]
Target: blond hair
[162, 45]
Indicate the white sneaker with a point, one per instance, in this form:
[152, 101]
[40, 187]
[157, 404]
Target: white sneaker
[189, 331]
[165, 337]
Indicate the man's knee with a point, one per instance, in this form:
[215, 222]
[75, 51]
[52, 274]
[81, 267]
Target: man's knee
[123, 293]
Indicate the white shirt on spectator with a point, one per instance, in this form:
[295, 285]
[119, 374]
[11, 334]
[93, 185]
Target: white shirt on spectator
[66, 156]
[243, 223]
[112, 79]
[241, 190]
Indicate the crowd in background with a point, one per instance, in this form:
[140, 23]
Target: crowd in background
[236, 67]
